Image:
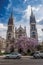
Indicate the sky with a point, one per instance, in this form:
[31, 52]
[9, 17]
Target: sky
[21, 15]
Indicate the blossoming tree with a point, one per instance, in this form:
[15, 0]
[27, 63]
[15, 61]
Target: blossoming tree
[25, 43]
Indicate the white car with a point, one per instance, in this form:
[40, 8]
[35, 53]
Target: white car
[13, 56]
[38, 54]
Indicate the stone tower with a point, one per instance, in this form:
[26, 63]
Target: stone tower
[33, 29]
[10, 35]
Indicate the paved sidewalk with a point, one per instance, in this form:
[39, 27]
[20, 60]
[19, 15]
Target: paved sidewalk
[1, 56]
[27, 56]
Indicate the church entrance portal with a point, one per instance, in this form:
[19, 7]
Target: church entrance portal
[20, 50]
[28, 51]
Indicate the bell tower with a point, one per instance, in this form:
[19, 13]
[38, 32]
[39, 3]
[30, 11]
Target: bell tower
[10, 31]
[33, 29]
[10, 35]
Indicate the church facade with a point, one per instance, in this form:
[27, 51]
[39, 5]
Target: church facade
[20, 32]
[13, 34]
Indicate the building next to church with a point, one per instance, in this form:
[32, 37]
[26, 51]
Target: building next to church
[20, 34]
[2, 44]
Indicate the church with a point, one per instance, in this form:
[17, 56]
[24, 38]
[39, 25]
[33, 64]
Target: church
[14, 35]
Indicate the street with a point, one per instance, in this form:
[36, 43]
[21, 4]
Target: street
[22, 61]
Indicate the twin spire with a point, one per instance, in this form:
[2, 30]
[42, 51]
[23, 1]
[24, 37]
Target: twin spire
[11, 19]
[11, 13]
[11, 16]
[32, 12]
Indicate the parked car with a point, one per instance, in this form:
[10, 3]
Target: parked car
[13, 56]
[38, 54]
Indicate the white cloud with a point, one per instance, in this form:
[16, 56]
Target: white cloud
[38, 20]
[3, 33]
[39, 30]
[27, 13]
[2, 26]
[18, 10]
[3, 30]
[38, 11]
[25, 1]
[35, 9]
[9, 5]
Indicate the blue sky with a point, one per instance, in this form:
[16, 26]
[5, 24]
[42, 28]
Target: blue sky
[6, 8]
[21, 14]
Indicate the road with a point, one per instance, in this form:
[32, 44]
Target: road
[22, 61]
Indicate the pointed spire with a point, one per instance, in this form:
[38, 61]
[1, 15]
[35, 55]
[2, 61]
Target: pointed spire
[31, 11]
[11, 17]
[11, 12]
